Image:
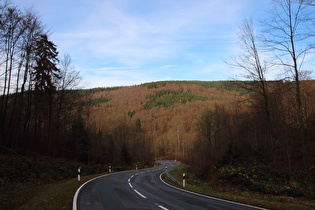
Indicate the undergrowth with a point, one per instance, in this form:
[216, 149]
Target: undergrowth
[39, 170]
[228, 184]
[268, 179]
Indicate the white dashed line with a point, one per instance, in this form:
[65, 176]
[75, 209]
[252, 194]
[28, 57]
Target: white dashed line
[139, 194]
[162, 207]
[130, 185]
[129, 182]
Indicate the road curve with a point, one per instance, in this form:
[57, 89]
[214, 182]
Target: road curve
[143, 189]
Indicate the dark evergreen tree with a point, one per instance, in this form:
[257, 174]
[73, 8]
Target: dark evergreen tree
[46, 71]
[45, 77]
[125, 155]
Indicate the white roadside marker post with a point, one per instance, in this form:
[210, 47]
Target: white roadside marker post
[110, 169]
[184, 180]
[79, 173]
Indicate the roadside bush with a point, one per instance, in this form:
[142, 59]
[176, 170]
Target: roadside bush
[39, 170]
[267, 179]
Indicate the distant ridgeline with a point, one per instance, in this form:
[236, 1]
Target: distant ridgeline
[167, 98]
[219, 85]
[228, 85]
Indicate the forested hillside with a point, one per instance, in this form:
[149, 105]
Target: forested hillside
[213, 126]
[151, 120]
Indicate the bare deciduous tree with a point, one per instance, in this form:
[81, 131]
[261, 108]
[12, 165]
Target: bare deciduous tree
[65, 99]
[289, 35]
[10, 37]
[254, 69]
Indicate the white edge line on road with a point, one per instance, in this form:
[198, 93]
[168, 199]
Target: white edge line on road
[75, 197]
[206, 196]
[139, 194]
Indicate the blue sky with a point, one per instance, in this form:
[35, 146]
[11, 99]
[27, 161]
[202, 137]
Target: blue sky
[129, 42]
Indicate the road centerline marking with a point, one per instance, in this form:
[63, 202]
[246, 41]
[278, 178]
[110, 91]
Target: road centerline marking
[162, 207]
[130, 185]
[139, 193]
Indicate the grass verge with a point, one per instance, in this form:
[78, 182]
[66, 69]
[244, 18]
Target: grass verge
[37, 182]
[57, 195]
[225, 190]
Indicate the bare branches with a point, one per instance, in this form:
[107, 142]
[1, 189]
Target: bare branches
[288, 33]
[70, 78]
[250, 62]
[308, 2]
[249, 58]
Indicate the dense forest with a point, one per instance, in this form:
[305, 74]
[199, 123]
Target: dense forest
[38, 111]
[254, 131]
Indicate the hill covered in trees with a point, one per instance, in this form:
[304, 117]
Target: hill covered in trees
[156, 118]
[218, 128]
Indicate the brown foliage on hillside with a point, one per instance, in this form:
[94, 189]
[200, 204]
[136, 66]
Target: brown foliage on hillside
[164, 132]
[227, 128]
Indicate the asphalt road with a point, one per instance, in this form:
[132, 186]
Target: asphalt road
[143, 189]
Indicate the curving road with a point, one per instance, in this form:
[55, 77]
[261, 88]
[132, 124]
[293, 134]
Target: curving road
[143, 189]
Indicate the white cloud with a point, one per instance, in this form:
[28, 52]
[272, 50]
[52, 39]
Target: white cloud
[111, 33]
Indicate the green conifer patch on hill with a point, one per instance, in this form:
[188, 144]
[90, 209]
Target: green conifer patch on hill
[168, 98]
